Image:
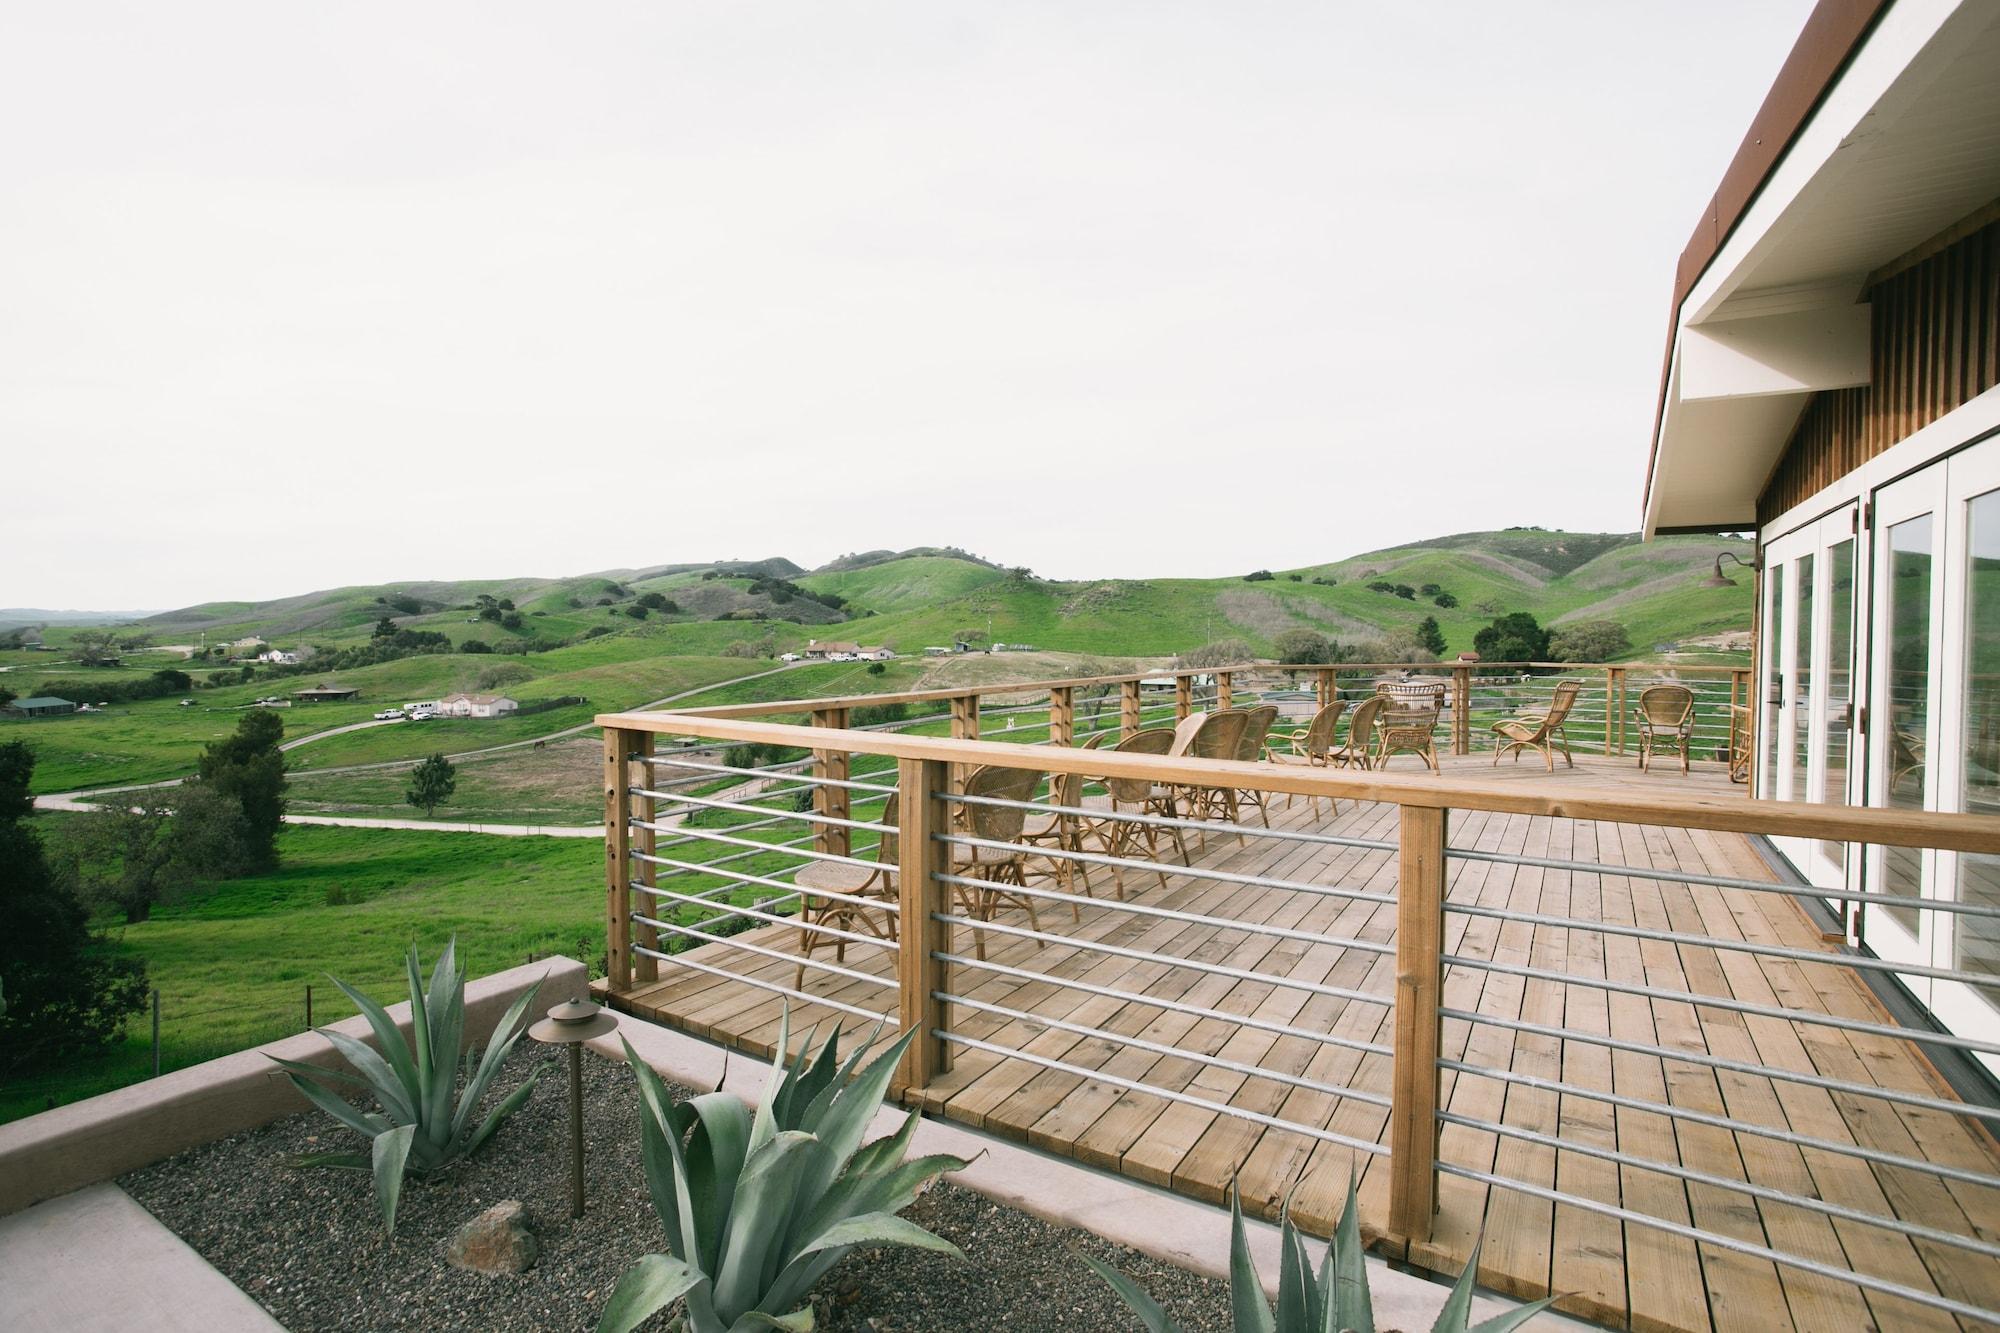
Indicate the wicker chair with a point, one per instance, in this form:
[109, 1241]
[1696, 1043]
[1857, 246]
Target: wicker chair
[1359, 750]
[1185, 731]
[1409, 724]
[1115, 836]
[996, 867]
[1313, 746]
[1063, 832]
[1739, 743]
[849, 881]
[1216, 738]
[1665, 715]
[1250, 749]
[1539, 731]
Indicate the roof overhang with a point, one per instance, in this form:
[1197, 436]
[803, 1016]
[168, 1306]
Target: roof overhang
[1893, 136]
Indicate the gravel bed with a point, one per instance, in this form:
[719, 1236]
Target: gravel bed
[308, 1245]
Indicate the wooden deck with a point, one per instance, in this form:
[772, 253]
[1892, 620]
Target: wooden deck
[1621, 1274]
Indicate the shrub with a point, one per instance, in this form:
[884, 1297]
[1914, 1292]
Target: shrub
[1326, 580]
[876, 668]
[1515, 637]
[1337, 1299]
[1382, 585]
[1445, 600]
[758, 1209]
[475, 646]
[418, 1129]
[1429, 637]
[597, 631]
[1259, 576]
[741, 648]
[638, 612]
[1223, 652]
[873, 715]
[1590, 641]
[510, 620]
[1305, 645]
[1405, 591]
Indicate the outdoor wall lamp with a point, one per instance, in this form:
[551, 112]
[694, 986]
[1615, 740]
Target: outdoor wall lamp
[1721, 580]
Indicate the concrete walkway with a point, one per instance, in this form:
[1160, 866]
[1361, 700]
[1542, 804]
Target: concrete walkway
[96, 1262]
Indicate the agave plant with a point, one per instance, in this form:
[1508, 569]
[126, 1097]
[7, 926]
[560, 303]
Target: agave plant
[419, 1127]
[758, 1207]
[1337, 1301]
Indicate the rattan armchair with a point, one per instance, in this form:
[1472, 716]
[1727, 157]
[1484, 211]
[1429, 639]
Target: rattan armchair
[1739, 743]
[1216, 738]
[1313, 745]
[997, 868]
[1359, 751]
[1062, 832]
[847, 882]
[1115, 835]
[1250, 749]
[1665, 714]
[1408, 725]
[1542, 732]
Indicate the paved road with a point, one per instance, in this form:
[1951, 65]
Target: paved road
[86, 800]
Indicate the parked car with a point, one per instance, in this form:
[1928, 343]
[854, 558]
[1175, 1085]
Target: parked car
[187, 703]
[422, 715]
[789, 657]
[389, 715]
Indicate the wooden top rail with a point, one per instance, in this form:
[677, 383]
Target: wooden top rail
[1727, 814]
[779, 706]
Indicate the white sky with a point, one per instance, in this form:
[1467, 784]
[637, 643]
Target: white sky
[295, 296]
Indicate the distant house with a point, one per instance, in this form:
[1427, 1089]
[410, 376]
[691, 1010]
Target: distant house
[279, 657]
[817, 651]
[876, 653]
[42, 706]
[249, 645]
[937, 652]
[326, 694]
[476, 705]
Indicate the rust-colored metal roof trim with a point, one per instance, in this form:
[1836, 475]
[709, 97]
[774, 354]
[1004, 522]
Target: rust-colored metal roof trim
[1832, 34]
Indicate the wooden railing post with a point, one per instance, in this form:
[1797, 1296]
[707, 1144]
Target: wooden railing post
[1327, 685]
[1183, 697]
[1419, 989]
[645, 967]
[920, 895]
[831, 801]
[1614, 675]
[1461, 710]
[1129, 713]
[1225, 689]
[964, 727]
[1062, 715]
[617, 860]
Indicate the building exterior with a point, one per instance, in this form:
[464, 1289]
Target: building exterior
[476, 705]
[326, 694]
[279, 657]
[42, 706]
[1830, 383]
[825, 650]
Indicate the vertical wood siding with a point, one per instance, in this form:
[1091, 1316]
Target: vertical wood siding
[1936, 344]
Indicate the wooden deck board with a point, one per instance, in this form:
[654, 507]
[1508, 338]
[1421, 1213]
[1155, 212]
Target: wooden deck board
[1623, 1274]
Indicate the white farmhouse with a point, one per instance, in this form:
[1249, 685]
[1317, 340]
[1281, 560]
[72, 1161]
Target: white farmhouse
[476, 705]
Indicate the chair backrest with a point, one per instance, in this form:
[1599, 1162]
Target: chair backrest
[1560, 703]
[1002, 823]
[1184, 732]
[1153, 740]
[1256, 729]
[1319, 733]
[1361, 727]
[890, 850]
[1666, 705]
[1096, 739]
[1219, 735]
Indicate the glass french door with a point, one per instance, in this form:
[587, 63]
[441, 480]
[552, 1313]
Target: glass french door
[1966, 754]
[1905, 671]
[1808, 726]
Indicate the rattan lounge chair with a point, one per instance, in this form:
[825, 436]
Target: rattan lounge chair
[1359, 751]
[849, 881]
[996, 867]
[1539, 731]
[1665, 715]
[1115, 836]
[1312, 746]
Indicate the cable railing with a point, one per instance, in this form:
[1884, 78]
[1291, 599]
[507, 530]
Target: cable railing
[1543, 1014]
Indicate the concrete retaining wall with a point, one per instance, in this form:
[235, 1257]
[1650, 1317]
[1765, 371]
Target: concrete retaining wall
[105, 1136]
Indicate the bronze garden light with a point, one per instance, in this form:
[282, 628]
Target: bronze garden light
[572, 1023]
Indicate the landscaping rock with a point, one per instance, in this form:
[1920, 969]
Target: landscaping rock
[497, 1241]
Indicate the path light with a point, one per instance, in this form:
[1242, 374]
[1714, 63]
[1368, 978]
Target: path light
[1721, 580]
[572, 1023]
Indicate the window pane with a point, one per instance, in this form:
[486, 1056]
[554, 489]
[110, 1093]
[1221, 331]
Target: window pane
[1977, 941]
[1908, 691]
[1802, 628]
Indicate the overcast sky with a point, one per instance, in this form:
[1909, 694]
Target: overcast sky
[294, 296]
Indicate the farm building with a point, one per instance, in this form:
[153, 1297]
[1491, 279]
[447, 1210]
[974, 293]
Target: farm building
[42, 706]
[1830, 383]
[326, 694]
[476, 705]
